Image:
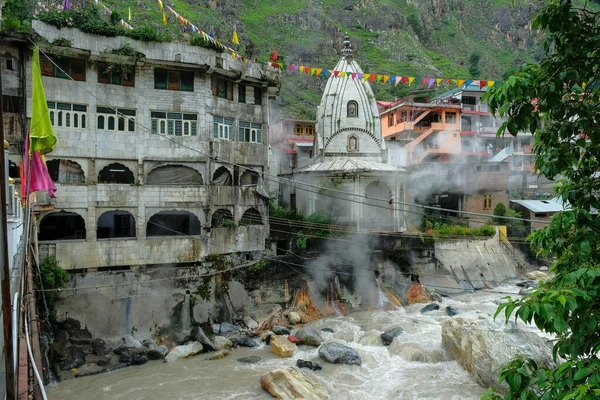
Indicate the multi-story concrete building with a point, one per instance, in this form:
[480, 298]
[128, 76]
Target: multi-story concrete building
[159, 153]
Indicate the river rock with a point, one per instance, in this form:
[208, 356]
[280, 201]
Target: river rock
[527, 284]
[309, 336]
[134, 356]
[337, 353]
[250, 323]
[293, 339]
[280, 330]
[482, 347]
[327, 330]
[158, 353]
[130, 342]
[184, 351]
[371, 338]
[71, 357]
[309, 364]
[99, 347]
[220, 354]
[282, 347]
[249, 360]
[149, 344]
[244, 341]
[221, 342]
[388, 336]
[197, 335]
[291, 383]
[436, 297]
[294, 317]
[451, 311]
[411, 351]
[543, 269]
[417, 294]
[225, 328]
[430, 307]
[537, 275]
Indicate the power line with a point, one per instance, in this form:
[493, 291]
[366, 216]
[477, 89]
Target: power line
[292, 182]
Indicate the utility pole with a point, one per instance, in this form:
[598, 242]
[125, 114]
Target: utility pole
[5, 283]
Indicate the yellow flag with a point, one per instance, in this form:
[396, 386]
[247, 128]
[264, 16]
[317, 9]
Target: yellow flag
[490, 83]
[312, 71]
[160, 5]
[460, 82]
[438, 81]
[410, 80]
[235, 37]
[233, 56]
[164, 17]
[129, 14]
[343, 74]
[386, 78]
[319, 70]
[366, 77]
[40, 132]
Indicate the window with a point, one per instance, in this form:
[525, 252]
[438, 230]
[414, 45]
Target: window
[115, 119]
[450, 118]
[257, 96]
[174, 124]
[222, 88]
[487, 202]
[352, 109]
[63, 67]
[391, 120]
[222, 128]
[124, 78]
[310, 153]
[471, 100]
[9, 64]
[299, 130]
[250, 132]
[67, 115]
[242, 93]
[173, 80]
[310, 130]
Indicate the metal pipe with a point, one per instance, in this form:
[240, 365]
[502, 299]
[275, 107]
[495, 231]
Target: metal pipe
[15, 331]
[35, 370]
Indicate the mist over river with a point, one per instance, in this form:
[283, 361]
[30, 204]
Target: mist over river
[387, 372]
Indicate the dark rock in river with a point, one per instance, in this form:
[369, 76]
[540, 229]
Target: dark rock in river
[99, 347]
[337, 353]
[436, 297]
[388, 336]
[157, 353]
[249, 360]
[430, 307]
[280, 330]
[527, 284]
[72, 357]
[451, 311]
[149, 344]
[134, 356]
[309, 364]
[244, 341]
[327, 330]
[224, 328]
[309, 336]
[198, 335]
[74, 330]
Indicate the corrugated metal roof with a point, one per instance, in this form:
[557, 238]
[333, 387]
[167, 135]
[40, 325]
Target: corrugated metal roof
[304, 144]
[542, 206]
[348, 164]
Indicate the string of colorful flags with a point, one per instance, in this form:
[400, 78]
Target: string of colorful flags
[107, 12]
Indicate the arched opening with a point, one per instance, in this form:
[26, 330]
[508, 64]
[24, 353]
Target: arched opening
[222, 177]
[333, 201]
[62, 225]
[249, 178]
[352, 109]
[173, 223]
[115, 224]
[174, 175]
[251, 217]
[222, 218]
[116, 173]
[377, 214]
[65, 171]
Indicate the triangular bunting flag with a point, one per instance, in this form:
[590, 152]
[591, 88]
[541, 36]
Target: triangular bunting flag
[366, 77]
[431, 82]
[274, 55]
[360, 76]
[482, 84]
[312, 71]
[424, 81]
[398, 79]
[460, 82]
[129, 14]
[269, 64]
[160, 5]
[233, 56]
[438, 81]
[301, 68]
[372, 78]
[235, 37]
[307, 70]
[392, 79]
[491, 83]
[386, 78]
[353, 75]
[404, 79]
[319, 70]
[468, 82]
[291, 67]
[343, 74]
[379, 77]
[164, 18]
[211, 33]
[324, 72]
[410, 80]
[336, 73]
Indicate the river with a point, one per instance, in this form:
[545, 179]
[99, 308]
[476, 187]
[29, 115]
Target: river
[387, 372]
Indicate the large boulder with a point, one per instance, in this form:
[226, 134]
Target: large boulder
[291, 383]
[282, 347]
[224, 328]
[184, 351]
[483, 346]
[388, 336]
[158, 353]
[309, 336]
[417, 294]
[280, 330]
[337, 353]
[429, 307]
[198, 335]
[222, 343]
[71, 357]
[294, 317]
[412, 351]
[134, 356]
[250, 323]
[244, 341]
[537, 275]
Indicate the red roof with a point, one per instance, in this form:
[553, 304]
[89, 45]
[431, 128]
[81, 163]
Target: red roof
[468, 133]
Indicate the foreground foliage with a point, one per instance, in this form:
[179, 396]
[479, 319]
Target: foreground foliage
[559, 100]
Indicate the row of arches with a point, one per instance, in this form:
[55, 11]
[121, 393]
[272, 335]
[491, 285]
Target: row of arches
[114, 224]
[66, 171]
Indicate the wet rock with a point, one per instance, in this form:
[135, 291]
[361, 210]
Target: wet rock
[294, 317]
[72, 357]
[411, 351]
[134, 356]
[265, 335]
[184, 351]
[293, 339]
[268, 339]
[417, 294]
[436, 297]
[157, 353]
[451, 311]
[280, 330]
[482, 347]
[198, 335]
[99, 347]
[282, 347]
[430, 307]
[337, 353]
[309, 336]
[220, 354]
[73, 329]
[149, 344]
[543, 269]
[371, 338]
[221, 343]
[527, 284]
[291, 383]
[224, 328]
[103, 362]
[249, 360]
[327, 330]
[244, 341]
[309, 364]
[250, 323]
[537, 275]
[526, 291]
[388, 336]
[129, 341]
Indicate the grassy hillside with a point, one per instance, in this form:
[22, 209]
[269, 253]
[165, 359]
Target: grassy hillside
[457, 39]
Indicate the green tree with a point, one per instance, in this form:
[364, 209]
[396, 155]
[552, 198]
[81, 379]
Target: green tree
[559, 102]
[474, 59]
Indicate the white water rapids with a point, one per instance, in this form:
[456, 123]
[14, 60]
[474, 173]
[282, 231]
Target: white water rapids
[388, 372]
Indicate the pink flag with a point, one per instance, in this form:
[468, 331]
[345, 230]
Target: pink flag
[40, 177]
[354, 74]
